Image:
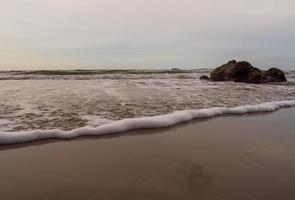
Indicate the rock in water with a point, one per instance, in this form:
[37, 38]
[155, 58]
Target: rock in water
[244, 72]
[204, 77]
[273, 75]
[254, 76]
[224, 72]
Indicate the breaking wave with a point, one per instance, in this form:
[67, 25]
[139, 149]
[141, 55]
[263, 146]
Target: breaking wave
[123, 125]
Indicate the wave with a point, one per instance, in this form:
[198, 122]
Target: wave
[160, 121]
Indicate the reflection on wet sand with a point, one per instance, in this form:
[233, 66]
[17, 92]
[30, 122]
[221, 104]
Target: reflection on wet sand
[228, 158]
[197, 179]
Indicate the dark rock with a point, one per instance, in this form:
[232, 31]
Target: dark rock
[204, 77]
[254, 76]
[273, 75]
[224, 72]
[245, 72]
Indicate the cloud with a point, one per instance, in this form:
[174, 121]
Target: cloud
[186, 33]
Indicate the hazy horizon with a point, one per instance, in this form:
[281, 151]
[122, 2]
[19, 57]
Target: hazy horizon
[145, 34]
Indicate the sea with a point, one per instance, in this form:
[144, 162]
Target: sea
[51, 105]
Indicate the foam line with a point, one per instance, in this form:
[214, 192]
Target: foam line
[160, 121]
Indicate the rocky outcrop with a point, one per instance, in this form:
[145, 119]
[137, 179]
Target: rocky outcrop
[245, 72]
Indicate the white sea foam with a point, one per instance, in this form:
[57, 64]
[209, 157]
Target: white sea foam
[160, 121]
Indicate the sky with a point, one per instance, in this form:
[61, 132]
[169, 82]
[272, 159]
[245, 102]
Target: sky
[147, 34]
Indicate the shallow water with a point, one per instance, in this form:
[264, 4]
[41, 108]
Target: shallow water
[67, 102]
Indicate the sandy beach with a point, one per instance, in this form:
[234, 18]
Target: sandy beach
[233, 157]
[147, 100]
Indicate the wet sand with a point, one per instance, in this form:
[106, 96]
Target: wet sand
[242, 157]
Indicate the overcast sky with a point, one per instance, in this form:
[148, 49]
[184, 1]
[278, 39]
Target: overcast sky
[64, 34]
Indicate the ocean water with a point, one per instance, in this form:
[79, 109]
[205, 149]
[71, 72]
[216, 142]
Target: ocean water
[31, 104]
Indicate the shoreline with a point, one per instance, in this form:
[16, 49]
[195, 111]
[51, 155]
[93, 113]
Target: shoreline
[233, 157]
[135, 132]
[161, 121]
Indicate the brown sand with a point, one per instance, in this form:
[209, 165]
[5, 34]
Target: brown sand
[229, 158]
